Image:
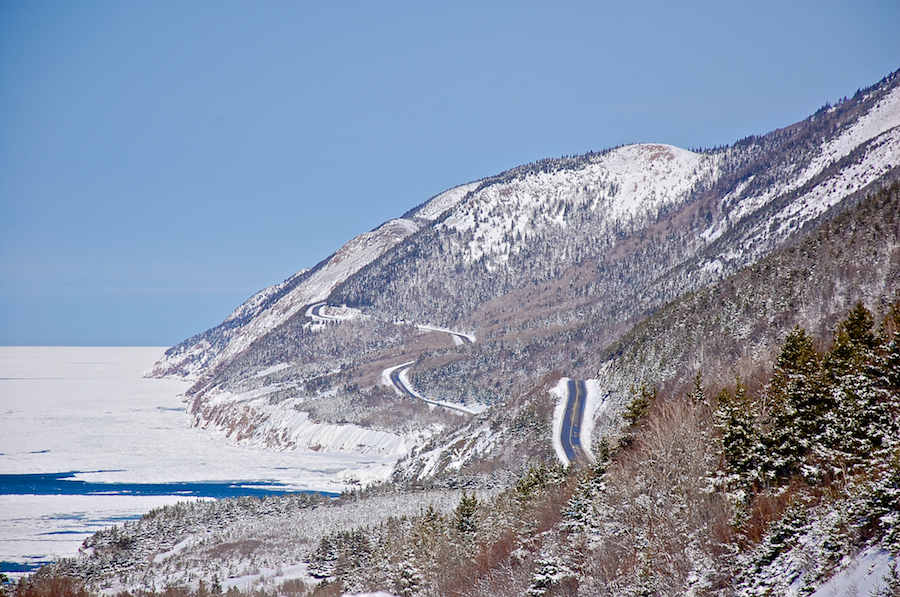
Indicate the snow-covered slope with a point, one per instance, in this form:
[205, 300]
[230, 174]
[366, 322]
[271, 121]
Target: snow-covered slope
[580, 247]
[316, 287]
[438, 206]
[862, 152]
[630, 184]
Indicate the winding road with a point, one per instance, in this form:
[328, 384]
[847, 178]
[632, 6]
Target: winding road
[458, 337]
[570, 436]
[394, 373]
[315, 312]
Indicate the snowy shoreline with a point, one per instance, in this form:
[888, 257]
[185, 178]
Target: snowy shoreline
[89, 409]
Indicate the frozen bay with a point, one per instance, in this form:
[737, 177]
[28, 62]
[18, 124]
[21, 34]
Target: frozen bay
[85, 416]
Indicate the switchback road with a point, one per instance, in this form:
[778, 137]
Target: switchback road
[315, 313]
[394, 373]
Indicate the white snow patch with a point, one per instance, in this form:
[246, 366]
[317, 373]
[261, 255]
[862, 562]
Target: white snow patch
[715, 231]
[445, 201]
[276, 576]
[178, 548]
[713, 267]
[863, 575]
[593, 406]
[272, 369]
[461, 447]
[561, 391]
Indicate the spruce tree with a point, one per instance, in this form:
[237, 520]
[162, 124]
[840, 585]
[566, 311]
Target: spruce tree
[465, 513]
[736, 418]
[799, 408]
[864, 420]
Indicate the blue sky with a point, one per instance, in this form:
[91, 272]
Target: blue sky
[162, 161]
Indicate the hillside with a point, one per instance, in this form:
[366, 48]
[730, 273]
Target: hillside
[545, 267]
[771, 499]
[720, 328]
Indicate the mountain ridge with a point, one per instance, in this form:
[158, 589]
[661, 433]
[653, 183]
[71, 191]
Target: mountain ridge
[728, 321]
[586, 246]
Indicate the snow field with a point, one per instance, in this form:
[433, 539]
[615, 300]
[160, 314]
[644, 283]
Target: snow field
[864, 574]
[561, 391]
[88, 410]
[626, 184]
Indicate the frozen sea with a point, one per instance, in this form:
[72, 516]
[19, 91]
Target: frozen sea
[87, 442]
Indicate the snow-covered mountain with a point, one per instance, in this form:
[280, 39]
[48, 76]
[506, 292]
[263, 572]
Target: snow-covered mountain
[647, 286]
[273, 306]
[573, 249]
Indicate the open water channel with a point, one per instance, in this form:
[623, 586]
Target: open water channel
[86, 442]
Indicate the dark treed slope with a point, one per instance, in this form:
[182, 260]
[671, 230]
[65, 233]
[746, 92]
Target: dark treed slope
[739, 323]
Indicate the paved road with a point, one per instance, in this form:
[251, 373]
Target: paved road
[398, 383]
[316, 313]
[571, 427]
[463, 338]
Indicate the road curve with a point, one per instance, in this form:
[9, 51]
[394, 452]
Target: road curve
[570, 435]
[460, 336]
[315, 313]
[394, 375]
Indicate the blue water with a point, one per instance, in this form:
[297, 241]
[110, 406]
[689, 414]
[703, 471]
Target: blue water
[67, 484]
[17, 567]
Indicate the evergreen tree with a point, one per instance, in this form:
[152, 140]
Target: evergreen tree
[799, 408]
[640, 404]
[465, 513]
[697, 395]
[408, 577]
[864, 415]
[736, 418]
